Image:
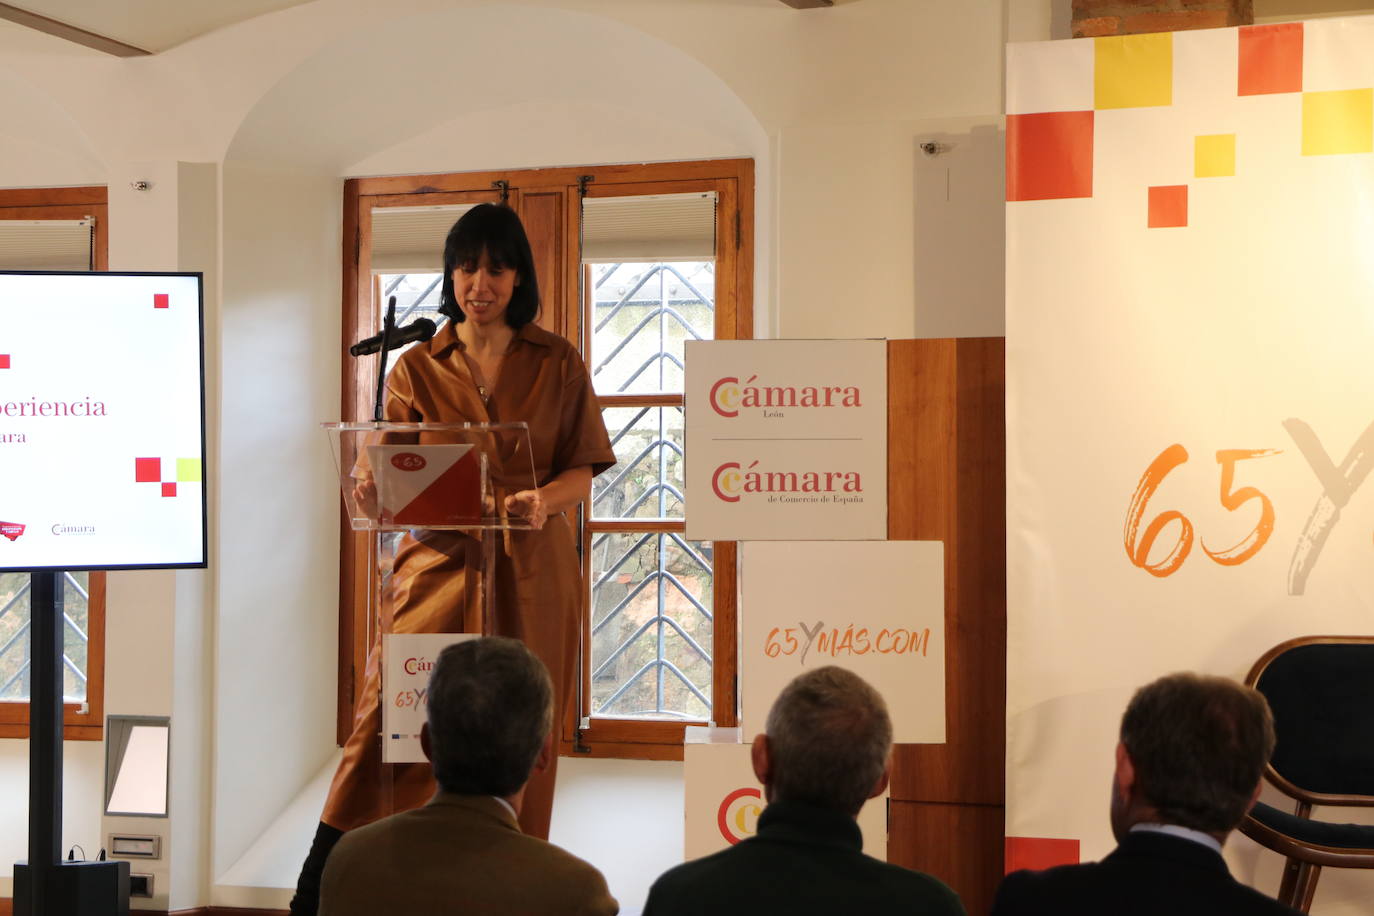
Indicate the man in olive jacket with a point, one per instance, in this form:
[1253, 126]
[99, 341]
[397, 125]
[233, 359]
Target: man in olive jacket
[488, 729]
[827, 749]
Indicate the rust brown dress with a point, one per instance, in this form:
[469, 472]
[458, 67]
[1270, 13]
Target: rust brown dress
[544, 383]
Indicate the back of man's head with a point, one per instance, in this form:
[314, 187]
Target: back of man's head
[490, 711]
[1198, 745]
[829, 737]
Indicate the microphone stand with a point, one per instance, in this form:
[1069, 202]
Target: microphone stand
[388, 325]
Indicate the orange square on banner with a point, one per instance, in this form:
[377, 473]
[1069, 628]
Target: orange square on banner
[1038, 853]
[1270, 59]
[1050, 155]
[1168, 206]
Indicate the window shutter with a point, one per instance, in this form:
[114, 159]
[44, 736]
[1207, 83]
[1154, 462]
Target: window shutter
[46, 244]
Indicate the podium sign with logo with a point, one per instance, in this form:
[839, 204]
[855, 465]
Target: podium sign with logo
[877, 609]
[787, 439]
[723, 800]
[407, 662]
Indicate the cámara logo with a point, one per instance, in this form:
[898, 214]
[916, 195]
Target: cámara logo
[728, 396]
[11, 530]
[738, 813]
[730, 481]
[59, 530]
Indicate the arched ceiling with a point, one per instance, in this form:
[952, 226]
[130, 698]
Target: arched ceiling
[370, 91]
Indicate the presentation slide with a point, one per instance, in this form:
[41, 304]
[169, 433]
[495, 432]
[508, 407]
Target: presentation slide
[102, 444]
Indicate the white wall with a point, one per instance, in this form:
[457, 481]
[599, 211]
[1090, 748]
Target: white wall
[277, 572]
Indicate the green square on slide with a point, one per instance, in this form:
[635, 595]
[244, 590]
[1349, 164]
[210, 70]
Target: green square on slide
[188, 470]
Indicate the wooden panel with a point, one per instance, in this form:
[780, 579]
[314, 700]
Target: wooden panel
[702, 169]
[959, 844]
[541, 211]
[947, 482]
[48, 197]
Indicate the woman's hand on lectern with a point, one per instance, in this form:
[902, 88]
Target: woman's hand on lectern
[365, 496]
[529, 505]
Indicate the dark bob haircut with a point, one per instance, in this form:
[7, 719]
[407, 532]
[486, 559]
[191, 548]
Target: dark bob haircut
[495, 229]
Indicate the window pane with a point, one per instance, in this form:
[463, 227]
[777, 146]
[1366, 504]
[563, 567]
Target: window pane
[15, 649]
[641, 314]
[651, 626]
[647, 480]
[417, 296]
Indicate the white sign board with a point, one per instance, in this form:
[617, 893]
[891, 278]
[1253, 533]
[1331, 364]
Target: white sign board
[787, 439]
[876, 608]
[723, 800]
[407, 662]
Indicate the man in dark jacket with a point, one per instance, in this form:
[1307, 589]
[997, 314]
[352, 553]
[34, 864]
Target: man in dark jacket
[1188, 767]
[827, 750]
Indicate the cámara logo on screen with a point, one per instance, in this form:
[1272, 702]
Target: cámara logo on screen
[60, 530]
[11, 530]
[728, 395]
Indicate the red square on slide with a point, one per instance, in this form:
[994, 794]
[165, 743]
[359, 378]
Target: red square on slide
[1050, 155]
[1270, 59]
[169, 489]
[161, 301]
[148, 470]
[1038, 853]
[1168, 206]
[4, 360]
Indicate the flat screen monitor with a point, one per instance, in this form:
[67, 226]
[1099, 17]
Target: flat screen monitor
[102, 421]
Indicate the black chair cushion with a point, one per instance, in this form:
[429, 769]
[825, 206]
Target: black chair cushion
[1316, 833]
[1323, 702]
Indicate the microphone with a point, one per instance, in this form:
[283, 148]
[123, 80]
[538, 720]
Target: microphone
[421, 329]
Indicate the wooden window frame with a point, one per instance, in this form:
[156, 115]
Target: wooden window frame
[548, 196]
[67, 204]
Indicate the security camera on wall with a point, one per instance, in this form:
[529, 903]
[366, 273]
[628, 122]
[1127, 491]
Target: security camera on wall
[102, 427]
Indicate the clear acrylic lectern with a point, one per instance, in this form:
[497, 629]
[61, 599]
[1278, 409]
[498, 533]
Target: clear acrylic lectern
[433, 497]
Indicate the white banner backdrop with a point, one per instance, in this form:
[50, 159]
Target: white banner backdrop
[787, 439]
[876, 608]
[1190, 377]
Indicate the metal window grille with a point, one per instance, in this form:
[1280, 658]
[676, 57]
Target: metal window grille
[15, 626]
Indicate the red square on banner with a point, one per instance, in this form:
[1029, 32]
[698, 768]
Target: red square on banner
[4, 360]
[161, 301]
[169, 489]
[1050, 155]
[148, 470]
[1037, 853]
[1270, 59]
[1168, 206]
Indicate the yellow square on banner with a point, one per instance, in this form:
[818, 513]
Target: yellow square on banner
[1338, 122]
[1214, 155]
[1133, 71]
[188, 470]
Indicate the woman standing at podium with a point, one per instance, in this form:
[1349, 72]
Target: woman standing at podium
[489, 364]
